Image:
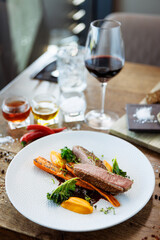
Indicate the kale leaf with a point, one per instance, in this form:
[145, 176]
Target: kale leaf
[63, 192]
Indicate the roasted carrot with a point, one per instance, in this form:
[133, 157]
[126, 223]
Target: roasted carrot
[57, 160]
[109, 197]
[70, 169]
[49, 167]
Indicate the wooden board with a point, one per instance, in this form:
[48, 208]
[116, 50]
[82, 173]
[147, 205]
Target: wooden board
[148, 140]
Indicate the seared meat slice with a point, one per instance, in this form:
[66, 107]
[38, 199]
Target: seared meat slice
[87, 157]
[102, 179]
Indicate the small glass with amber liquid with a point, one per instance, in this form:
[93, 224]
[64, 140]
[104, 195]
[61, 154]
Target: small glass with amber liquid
[44, 109]
[16, 110]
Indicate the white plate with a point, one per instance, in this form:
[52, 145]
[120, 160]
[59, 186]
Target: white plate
[27, 186]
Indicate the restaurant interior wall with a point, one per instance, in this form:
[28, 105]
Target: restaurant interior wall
[25, 26]
[21, 25]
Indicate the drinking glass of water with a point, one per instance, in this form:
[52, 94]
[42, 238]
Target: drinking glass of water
[71, 68]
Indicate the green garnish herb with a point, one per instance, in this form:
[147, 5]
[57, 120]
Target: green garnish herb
[87, 198]
[116, 169]
[63, 192]
[65, 171]
[53, 180]
[107, 210]
[68, 155]
[91, 157]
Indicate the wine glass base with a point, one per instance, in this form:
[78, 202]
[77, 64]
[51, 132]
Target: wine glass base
[95, 119]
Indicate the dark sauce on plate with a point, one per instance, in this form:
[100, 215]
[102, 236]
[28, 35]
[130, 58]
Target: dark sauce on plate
[83, 193]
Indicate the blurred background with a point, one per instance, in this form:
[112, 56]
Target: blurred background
[28, 28]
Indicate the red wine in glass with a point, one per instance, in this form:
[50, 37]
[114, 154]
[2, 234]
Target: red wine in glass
[104, 67]
[104, 59]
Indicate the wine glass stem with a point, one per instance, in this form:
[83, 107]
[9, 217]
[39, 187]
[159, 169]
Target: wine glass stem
[103, 88]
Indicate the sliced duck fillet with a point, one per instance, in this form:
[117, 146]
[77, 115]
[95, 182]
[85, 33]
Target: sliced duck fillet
[87, 157]
[102, 179]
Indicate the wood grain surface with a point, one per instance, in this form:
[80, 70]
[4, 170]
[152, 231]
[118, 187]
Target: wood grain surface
[130, 86]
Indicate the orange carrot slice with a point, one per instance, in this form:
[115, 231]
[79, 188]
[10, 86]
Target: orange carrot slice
[49, 167]
[70, 169]
[108, 196]
[57, 159]
[107, 165]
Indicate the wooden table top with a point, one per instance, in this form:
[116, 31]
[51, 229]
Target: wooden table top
[130, 86]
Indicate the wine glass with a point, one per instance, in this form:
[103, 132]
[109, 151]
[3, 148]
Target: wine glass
[104, 58]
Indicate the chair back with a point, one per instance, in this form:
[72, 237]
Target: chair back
[141, 34]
